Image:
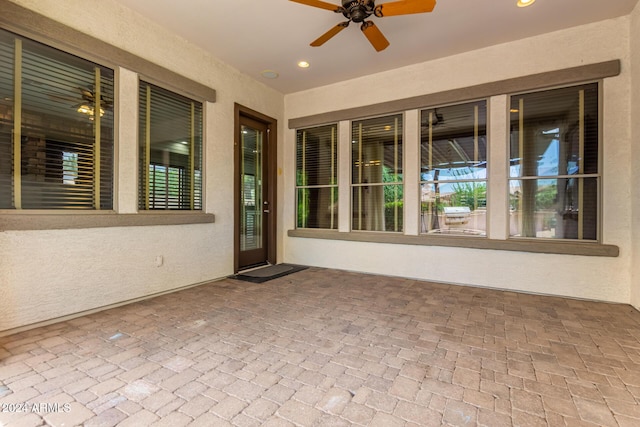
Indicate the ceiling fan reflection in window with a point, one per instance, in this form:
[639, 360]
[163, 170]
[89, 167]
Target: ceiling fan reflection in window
[359, 10]
[85, 103]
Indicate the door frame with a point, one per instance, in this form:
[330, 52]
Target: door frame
[271, 139]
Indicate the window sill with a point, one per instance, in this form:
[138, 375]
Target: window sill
[535, 246]
[47, 220]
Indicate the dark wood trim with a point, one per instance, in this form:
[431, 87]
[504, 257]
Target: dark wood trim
[28, 23]
[567, 76]
[516, 245]
[59, 221]
[272, 160]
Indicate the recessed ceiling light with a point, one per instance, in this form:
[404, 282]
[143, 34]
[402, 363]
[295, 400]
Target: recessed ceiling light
[303, 64]
[525, 3]
[270, 74]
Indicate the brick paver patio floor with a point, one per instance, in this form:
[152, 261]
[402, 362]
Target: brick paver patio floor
[323, 347]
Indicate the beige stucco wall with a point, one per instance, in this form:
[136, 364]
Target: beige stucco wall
[635, 147]
[48, 274]
[600, 278]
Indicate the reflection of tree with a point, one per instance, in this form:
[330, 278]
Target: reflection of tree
[547, 197]
[390, 193]
[393, 199]
[470, 194]
[303, 200]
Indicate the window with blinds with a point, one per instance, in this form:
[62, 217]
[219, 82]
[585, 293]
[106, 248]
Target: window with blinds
[453, 169]
[377, 174]
[170, 150]
[56, 128]
[317, 177]
[554, 174]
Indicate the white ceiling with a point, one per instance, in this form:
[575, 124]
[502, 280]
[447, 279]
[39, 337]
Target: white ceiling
[258, 35]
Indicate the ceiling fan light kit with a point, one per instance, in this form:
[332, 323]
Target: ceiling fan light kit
[359, 10]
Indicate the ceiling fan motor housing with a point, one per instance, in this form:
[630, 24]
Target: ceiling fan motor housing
[358, 10]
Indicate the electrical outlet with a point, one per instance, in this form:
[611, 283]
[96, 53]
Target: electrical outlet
[159, 261]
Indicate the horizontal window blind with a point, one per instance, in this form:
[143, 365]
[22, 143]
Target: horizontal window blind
[317, 156]
[62, 146]
[7, 55]
[317, 177]
[377, 174]
[170, 150]
[554, 163]
[376, 154]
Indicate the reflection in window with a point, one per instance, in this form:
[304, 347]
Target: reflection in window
[69, 167]
[454, 169]
[376, 172]
[554, 164]
[56, 128]
[170, 150]
[316, 177]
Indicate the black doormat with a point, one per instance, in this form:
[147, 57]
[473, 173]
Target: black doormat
[261, 275]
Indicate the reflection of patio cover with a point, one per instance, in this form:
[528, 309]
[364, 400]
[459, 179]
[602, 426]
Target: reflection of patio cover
[454, 153]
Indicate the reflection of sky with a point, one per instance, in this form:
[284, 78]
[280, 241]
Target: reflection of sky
[462, 173]
[547, 165]
[459, 174]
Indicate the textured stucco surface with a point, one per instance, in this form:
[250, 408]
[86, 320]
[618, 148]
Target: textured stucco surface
[599, 278]
[48, 274]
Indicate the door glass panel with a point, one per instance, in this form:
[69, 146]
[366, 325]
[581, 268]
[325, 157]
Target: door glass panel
[251, 223]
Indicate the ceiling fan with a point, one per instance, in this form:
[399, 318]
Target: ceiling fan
[86, 101]
[359, 10]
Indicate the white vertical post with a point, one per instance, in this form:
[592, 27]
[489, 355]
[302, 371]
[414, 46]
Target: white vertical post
[97, 121]
[17, 126]
[344, 176]
[498, 168]
[126, 142]
[411, 172]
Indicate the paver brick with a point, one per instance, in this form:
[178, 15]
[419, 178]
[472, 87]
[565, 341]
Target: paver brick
[326, 347]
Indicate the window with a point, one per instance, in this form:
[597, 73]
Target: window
[376, 172]
[316, 177]
[554, 168]
[170, 150]
[453, 169]
[56, 128]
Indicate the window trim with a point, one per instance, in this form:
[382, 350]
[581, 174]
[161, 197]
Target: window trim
[42, 29]
[353, 185]
[513, 245]
[421, 182]
[598, 175]
[540, 81]
[27, 52]
[537, 82]
[330, 186]
[192, 153]
[48, 220]
[30, 24]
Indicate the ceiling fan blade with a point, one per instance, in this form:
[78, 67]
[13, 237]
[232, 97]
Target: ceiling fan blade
[404, 7]
[332, 32]
[375, 36]
[320, 4]
[55, 97]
